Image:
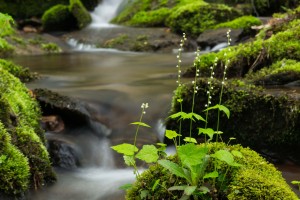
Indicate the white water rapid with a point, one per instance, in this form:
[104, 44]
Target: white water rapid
[104, 12]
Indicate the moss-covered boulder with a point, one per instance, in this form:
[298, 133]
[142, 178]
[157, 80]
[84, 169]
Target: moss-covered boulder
[80, 13]
[194, 18]
[255, 179]
[267, 123]
[20, 118]
[282, 41]
[58, 18]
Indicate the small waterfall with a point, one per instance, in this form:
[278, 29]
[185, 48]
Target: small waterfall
[104, 12]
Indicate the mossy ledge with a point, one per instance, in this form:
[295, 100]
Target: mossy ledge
[255, 179]
[266, 123]
[23, 150]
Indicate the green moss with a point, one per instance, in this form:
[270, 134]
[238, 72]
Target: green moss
[244, 22]
[280, 73]
[21, 72]
[58, 18]
[150, 18]
[258, 120]
[51, 48]
[82, 16]
[266, 182]
[116, 41]
[196, 17]
[14, 167]
[21, 116]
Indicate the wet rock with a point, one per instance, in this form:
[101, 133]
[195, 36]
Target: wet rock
[70, 112]
[63, 154]
[211, 38]
[53, 123]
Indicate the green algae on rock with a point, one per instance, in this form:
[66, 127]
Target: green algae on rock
[21, 119]
[267, 183]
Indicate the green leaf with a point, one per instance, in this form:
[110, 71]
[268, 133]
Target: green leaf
[189, 190]
[295, 182]
[174, 169]
[225, 156]
[178, 187]
[125, 186]
[213, 174]
[237, 153]
[141, 124]
[148, 154]
[207, 131]
[155, 184]
[176, 115]
[221, 108]
[198, 117]
[190, 139]
[129, 160]
[171, 134]
[125, 148]
[191, 154]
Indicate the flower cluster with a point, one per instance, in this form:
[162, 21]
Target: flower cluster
[179, 59]
[144, 106]
[210, 81]
[197, 74]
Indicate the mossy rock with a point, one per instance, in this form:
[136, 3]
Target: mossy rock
[80, 13]
[255, 55]
[14, 166]
[58, 18]
[20, 116]
[194, 18]
[280, 73]
[267, 123]
[266, 181]
[244, 22]
[18, 71]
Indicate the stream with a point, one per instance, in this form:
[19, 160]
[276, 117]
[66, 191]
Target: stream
[115, 83]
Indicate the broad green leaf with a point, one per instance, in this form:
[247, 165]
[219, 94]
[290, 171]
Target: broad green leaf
[174, 169]
[207, 131]
[198, 117]
[141, 124]
[148, 154]
[213, 174]
[225, 156]
[221, 108]
[155, 184]
[125, 186]
[191, 154]
[218, 132]
[190, 139]
[178, 187]
[125, 148]
[295, 182]
[129, 160]
[171, 134]
[237, 153]
[176, 115]
[189, 190]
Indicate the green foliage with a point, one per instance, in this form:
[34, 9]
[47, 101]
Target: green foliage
[51, 48]
[244, 22]
[116, 41]
[6, 23]
[57, 18]
[80, 13]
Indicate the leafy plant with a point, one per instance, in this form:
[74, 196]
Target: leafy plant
[205, 173]
[296, 183]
